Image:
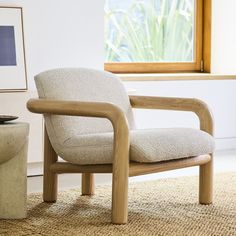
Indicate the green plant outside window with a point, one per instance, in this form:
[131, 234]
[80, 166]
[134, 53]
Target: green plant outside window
[149, 30]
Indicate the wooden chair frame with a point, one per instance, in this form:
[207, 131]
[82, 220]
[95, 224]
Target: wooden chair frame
[121, 168]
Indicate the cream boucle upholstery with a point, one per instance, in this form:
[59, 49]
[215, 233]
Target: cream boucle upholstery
[149, 145]
[81, 85]
[83, 140]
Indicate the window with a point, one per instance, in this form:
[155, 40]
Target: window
[148, 36]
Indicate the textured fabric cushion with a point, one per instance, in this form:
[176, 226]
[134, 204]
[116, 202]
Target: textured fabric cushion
[83, 140]
[80, 84]
[150, 145]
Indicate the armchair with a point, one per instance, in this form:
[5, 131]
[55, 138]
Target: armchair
[73, 101]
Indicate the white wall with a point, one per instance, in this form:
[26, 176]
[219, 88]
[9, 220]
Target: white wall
[58, 33]
[61, 33]
[224, 37]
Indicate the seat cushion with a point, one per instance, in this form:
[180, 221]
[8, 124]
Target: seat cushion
[149, 145]
[153, 145]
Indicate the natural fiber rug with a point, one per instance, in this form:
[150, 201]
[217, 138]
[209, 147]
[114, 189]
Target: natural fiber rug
[161, 207]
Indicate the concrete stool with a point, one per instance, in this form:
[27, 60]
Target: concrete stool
[13, 163]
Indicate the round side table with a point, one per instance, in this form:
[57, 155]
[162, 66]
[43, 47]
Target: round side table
[13, 165]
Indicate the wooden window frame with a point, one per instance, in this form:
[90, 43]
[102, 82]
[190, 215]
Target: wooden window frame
[202, 60]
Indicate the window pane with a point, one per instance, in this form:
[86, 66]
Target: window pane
[149, 30]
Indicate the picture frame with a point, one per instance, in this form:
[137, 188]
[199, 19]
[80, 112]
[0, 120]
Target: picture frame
[13, 76]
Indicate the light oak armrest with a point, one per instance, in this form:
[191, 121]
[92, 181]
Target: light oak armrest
[121, 143]
[88, 109]
[76, 108]
[199, 107]
[91, 109]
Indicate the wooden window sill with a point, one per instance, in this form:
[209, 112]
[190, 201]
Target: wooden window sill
[179, 76]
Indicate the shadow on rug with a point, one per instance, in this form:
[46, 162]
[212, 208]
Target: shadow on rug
[160, 207]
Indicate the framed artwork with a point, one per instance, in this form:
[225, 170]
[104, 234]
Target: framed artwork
[12, 51]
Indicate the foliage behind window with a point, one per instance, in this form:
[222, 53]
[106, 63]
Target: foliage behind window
[149, 30]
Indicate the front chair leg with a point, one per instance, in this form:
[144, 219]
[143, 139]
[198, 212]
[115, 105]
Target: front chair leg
[119, 200]
[120, 172]
[87, 184]
[206, 183]
[49, 178]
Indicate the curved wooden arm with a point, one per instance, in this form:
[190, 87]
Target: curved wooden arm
[199, 107]
[76, 108]
[120, 148]
[88, 109]
[206, 124]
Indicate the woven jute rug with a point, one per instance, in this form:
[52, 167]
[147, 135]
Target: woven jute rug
[160, 207]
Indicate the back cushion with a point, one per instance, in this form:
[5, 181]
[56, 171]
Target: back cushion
[81, 85]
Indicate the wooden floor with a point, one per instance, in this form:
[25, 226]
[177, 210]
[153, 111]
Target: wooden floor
[225, 161]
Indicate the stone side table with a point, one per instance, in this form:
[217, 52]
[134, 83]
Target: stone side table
[13, 177]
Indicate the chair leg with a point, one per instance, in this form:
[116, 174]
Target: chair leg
[119, 199]
[206, 183]
[87, 184]
[49, 178]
